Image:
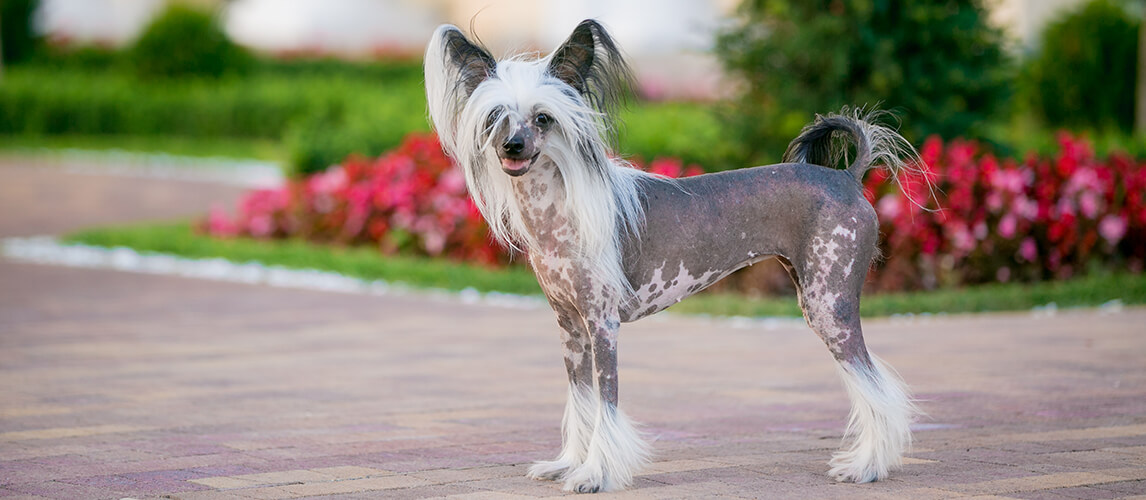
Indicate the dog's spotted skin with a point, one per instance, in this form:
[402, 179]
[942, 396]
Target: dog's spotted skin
[610, 245]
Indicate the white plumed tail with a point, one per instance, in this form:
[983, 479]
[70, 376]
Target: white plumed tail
[878, 426]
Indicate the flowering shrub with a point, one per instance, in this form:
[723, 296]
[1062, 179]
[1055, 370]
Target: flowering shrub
[411, 200]
[1002, 220]
[999, 220]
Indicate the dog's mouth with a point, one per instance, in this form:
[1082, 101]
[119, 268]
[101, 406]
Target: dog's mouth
[516, 166]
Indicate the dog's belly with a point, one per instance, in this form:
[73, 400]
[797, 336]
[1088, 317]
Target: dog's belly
[669, 286]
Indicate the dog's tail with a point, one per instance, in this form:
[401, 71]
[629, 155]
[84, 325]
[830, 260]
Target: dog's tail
[824, 142]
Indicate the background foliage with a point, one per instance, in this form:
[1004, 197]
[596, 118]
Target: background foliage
[17, 39]
[1001, 220]
[1020, 202]
[187, 42]
[1084, 73]
[937, 63]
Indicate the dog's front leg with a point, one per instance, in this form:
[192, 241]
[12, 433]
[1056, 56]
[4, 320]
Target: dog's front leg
[581, 405]
[616, 450]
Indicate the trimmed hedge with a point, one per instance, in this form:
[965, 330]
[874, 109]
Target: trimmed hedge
[185, 41]
[322, 111]
[352, 115]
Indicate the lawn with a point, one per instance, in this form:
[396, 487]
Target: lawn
[419, 272]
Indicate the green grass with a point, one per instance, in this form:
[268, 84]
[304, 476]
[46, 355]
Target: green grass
[261, 149]
[1082, 292]
[360, 262]
[367, 263]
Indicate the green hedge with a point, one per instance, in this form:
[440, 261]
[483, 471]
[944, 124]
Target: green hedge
[186, 41]
[321, 111]
[33, 102]
[360, 115]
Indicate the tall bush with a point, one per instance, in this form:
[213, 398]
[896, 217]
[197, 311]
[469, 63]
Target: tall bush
[939, 63]
[17, 38]
[184, 41]
[1084, 73]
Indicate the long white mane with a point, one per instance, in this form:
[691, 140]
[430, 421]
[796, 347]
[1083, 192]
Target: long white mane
[602, 194]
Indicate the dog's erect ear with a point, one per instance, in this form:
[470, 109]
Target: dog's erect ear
[590, 62]
[473, 63]
[454, 67]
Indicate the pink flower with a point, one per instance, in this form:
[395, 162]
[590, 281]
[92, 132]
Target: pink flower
[890, 207]
[980, 230]
[260, 225]
[1010, 180]
[1007, 226]
[994, 201]
[668, 167]
[1112, 228]
[1064, 207]
[1025, 207]
[1003, 274]
[962, 238]
[219, 223]
[1088, 204]
[1028, 250]
[329, 181]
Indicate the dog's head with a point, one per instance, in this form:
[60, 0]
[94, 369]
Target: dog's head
[520, 110]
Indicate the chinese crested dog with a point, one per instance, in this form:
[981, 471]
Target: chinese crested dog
[611, 244]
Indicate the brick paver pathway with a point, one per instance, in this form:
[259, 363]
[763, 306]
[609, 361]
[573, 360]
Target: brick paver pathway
[119, 385]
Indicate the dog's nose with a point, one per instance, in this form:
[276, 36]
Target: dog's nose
[514, 146]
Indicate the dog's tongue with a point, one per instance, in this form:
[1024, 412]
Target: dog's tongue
[514, 165]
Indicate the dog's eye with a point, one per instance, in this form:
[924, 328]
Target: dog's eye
[542, 120]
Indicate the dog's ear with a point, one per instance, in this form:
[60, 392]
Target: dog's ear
[472, 62]
[454, 67]
[590, 62]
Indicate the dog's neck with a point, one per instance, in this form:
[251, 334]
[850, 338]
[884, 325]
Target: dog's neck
[541, 196]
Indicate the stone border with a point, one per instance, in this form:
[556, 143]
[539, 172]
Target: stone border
[48, 250]
[214, 170]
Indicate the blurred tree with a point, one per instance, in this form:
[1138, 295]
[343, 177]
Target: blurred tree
[17, 38]
[1085, 71]
[938, 64]
[187, 41]
[1140, 116]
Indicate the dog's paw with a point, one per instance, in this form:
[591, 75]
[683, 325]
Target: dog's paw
[850, 470]
[549, 470]
[589, 479]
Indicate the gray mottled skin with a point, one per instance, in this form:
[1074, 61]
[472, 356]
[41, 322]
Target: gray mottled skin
[694, 232]
[703, 228]
[587, 312]
[698, 230]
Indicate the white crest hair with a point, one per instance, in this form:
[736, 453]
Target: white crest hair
[602, 193]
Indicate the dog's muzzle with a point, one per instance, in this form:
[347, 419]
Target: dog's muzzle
[514, 159]
[517, 166]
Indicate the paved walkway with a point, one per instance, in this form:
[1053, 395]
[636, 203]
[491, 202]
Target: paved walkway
[121, 385]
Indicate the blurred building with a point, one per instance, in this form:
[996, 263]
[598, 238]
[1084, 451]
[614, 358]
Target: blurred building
[669, 41]
[1024, 19]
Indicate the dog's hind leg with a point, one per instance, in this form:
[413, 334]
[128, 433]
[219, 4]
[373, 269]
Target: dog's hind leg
[616, 449]
[581, 405]
[830, 276]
